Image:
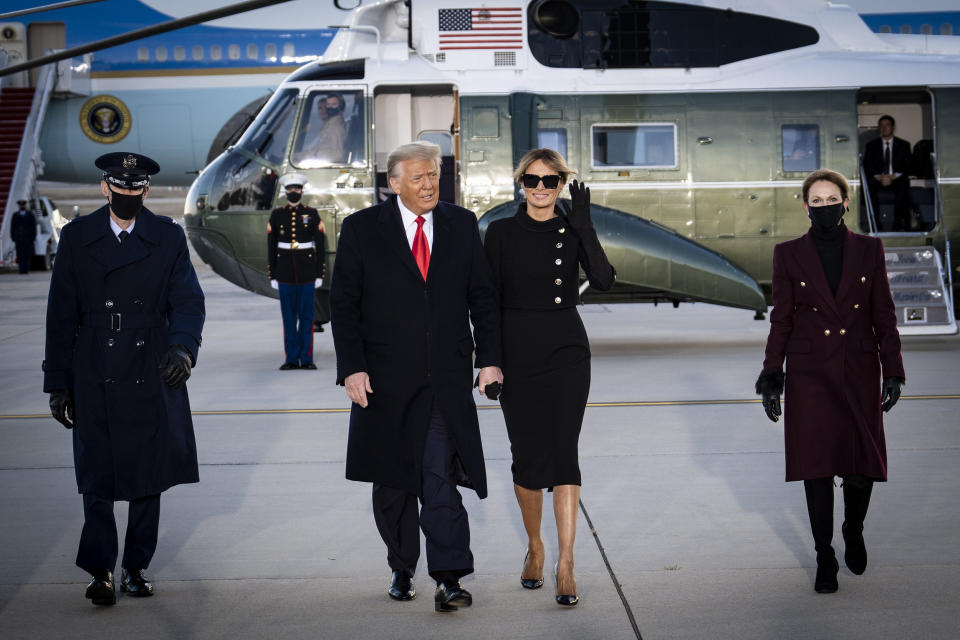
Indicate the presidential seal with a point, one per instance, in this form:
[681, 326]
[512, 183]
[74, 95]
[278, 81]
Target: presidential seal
[105, 119]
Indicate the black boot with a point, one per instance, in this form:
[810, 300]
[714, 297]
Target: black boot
[856, 499]
[820, 509]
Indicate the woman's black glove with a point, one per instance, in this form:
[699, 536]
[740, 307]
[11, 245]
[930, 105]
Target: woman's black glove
[579, 213]
[176, 366]
[891, 392]
[61, 406]
[770, 386]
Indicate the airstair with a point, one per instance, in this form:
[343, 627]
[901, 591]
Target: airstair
[21, 119]
[920, 290]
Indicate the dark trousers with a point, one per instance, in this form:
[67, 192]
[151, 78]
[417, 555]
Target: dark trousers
[98, 541]
[24, 255]
[296, 306]
[900, 190]
[443, 518]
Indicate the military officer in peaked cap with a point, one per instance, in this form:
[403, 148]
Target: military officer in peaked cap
[124, 318]
[295, 247]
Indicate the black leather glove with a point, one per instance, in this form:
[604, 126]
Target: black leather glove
[61, 406]
[770, 386]
[579, 212]
[176, 366]
[891, 392]
[492, 390]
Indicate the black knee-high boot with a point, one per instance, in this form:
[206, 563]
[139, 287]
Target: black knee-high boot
[856, 500]
[820, 509]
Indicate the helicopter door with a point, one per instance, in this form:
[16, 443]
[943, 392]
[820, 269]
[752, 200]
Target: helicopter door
[906, 204]
[405, 114]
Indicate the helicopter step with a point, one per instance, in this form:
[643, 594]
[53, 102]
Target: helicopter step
[920, 293]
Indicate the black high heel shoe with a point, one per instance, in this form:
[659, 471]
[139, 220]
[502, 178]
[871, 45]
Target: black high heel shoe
[529, 583]
[565, 600]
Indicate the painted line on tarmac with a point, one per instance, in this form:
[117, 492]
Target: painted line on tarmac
[613, 576]
[594, 405]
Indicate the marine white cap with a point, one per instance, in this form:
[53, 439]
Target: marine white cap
[293, 180]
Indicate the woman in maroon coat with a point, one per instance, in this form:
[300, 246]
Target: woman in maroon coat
[834, 322]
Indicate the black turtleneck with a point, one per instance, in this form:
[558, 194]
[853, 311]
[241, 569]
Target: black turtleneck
[829, 245]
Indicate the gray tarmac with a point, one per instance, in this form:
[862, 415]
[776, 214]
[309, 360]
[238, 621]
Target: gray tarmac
[694, 532]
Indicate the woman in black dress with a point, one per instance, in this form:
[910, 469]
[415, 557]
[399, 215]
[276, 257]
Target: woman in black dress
[535, 257]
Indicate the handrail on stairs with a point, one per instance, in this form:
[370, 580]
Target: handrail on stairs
[865, 190]
[946, 234]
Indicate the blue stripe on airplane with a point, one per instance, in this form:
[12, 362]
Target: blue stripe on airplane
[916, 21]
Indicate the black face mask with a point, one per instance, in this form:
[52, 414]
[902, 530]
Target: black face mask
[826, 217]
[293, 197]
[125, 207]
[332, 111]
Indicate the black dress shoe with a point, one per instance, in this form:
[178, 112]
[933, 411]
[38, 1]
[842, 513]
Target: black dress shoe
[401, 586]
[286, 366]
[827, 569]
[136, 583]
[101, 589]
[529, 583]
[308, 365]
[450, 596]
[855, 554]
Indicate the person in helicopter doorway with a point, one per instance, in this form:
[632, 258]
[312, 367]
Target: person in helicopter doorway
[295, 247]
[124, 321]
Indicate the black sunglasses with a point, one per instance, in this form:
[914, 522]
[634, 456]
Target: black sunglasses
[530, 181]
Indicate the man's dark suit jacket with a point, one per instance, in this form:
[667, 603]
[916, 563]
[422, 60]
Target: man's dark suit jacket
[413, 339]
[873, 157]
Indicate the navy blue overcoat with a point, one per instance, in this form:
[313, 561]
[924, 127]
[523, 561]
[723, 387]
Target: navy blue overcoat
[112, 313]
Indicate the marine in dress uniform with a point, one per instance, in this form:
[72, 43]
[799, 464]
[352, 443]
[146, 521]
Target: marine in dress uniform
[835, 324]
[295, 246]
[23, 232]
[124, 318]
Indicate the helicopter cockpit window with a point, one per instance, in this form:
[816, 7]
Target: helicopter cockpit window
[622, 146]
[267, 137]
[331, 130]
[800, 146]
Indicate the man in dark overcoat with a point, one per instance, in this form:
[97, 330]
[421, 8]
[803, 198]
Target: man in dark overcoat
[409, 278]
[23, 232]
[834, 323]
[296, 259]
[886, 161]
[124, 318]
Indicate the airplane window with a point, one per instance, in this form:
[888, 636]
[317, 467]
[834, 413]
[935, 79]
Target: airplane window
[270, 52]
[268, 135]
[651, 146]
[885, 28]
[555, 139]
[143, 54]
[216, 52]
[289, 50]
[926, 29]
[179, 53]
[252, 51]
[946, 29]
[800, 146]
[905, 28]
[242, 184]
[331, 130]
[197, 52]
[640, 34]
[233, 52]
[161, 54]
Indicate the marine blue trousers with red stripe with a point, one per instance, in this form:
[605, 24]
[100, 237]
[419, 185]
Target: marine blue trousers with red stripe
[296, 305]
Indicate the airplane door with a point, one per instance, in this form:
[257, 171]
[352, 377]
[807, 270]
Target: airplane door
[42, 37]
[404, 114]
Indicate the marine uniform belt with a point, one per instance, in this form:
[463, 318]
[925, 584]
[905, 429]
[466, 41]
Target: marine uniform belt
[295, 245]
[119, 321]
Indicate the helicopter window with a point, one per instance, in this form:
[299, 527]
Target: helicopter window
[331, 130]
[652, 146]
[800, 146]
[442, 139]
[555, 139]
[639, 34]
[270, 132]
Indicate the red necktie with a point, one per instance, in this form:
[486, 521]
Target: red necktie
[421, 250]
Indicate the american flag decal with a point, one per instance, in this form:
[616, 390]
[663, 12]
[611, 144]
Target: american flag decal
[498, 28]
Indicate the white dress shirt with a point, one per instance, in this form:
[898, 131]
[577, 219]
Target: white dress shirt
[117, 228]
[409, 219]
